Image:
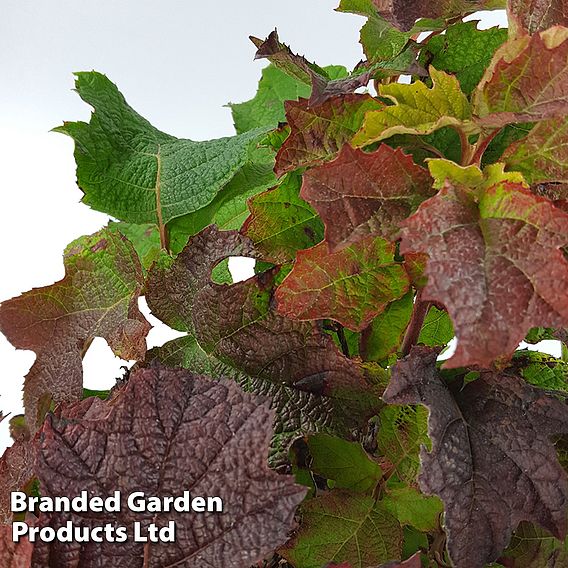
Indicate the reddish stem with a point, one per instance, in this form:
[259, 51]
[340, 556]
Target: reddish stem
[481, 146]
[415, 326]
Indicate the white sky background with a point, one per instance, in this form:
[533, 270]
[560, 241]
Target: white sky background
[176, 62]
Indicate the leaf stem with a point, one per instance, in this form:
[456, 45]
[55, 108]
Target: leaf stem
[467, 150]
[481, 146]
[415, 326]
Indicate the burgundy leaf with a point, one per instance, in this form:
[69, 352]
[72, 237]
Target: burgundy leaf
[360, 194]
[492, 461]
[16, 471]
[496, 264]
[169, 431]
[404, 13]
[239, 326]
[14, 554]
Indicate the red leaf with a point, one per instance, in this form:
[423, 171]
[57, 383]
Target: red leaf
[168, 431]
[351, 286]
[495, 262]
[526, 81]
[319, 131]
[360, 194]
[98, 297]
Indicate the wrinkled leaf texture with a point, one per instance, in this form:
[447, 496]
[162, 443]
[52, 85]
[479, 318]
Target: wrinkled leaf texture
[166, 430]
[98, 297]
[492, 461]
[495, 262]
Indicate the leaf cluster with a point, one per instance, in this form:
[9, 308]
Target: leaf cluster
[323, 397]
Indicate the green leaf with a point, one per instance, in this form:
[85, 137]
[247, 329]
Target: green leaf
[340, 526]
[266, 109]
[229, 209]
[281, 223]
[464, 51]
[437, 328]
[350, 286]
[471, 176]
[132, 171]
[416, 109]
[503, 139]
[385, 333]
[543, 155]
[542, 370]
[533, 547]
[537, 334]
[402, 431]
[345, 463]
[412, 508]
[381, 41]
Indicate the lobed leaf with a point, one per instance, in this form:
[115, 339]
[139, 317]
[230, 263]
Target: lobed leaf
[325, 82]
[237, 324]
[281, 223]
[463, 51]
[417, 109]
[229, 208]
[495, 262]
[343, 462]
[266, 109]
[350, 286]
[318, 132]
[132, 171]
[168, 429]
[404, 14]
[360, 194]
[380, 40]
[527, 80]
[492, 462]
[412, 508]
[98, 297]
